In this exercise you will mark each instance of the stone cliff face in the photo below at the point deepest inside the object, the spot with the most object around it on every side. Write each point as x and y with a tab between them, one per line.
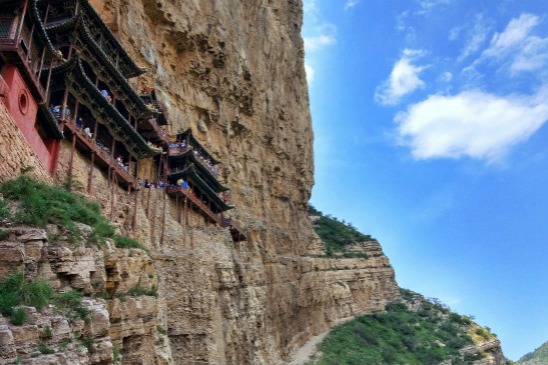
234	72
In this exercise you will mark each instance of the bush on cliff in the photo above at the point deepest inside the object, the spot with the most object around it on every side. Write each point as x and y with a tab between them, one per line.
40	204
335	234
14	291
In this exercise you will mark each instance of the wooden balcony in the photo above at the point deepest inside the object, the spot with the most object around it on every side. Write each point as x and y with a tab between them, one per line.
101	152
213	217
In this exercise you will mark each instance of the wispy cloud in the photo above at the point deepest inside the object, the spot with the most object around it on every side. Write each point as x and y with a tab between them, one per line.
516	48
427	6
473	124
350	4
403	80
475	36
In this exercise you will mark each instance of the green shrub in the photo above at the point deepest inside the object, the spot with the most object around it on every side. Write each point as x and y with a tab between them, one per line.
45	349
138	290
4	210
336	235
126	242
161	330
87	342
40	204
3	234
18	316
71	303
15	291
47	332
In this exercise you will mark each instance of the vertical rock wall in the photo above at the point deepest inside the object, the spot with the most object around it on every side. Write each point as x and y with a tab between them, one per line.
233	71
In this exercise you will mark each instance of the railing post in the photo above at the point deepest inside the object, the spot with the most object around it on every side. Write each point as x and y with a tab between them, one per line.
24	12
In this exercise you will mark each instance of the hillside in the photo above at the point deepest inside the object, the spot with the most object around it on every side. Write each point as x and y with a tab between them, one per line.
537	357
411	330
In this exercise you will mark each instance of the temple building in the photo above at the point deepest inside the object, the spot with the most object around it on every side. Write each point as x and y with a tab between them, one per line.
65	76
192	178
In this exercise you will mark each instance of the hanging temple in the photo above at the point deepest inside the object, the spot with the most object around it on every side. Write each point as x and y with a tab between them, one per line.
64	75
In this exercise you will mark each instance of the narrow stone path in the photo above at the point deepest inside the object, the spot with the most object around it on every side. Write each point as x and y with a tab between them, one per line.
305	352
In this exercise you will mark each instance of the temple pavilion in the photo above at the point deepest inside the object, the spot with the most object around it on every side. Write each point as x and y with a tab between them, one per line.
192	177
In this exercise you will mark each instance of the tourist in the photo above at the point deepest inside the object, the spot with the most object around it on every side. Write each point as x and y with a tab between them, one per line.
80	123
87	133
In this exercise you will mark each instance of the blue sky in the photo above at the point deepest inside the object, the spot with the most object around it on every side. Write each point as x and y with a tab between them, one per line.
429	119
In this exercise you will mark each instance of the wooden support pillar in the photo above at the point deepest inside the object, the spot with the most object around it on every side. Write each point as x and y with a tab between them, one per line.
112	195
30	41
64	108
95	127
49	81
72	148
178	206
185	211
134	220
23	14
90	178
41	63
163	217
110	168
47	13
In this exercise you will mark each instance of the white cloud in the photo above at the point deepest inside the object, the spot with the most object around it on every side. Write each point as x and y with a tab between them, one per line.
403	80
309	72
427	6
516	48
324	37
476	37
514	35
350	4
473	123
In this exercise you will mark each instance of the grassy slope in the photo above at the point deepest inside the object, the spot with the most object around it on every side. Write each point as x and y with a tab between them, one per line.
426	335
336	235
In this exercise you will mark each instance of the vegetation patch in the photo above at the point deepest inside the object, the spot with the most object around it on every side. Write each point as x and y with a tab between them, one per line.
71	304
138	290
337	235
14	291
40	204
399	336
126	242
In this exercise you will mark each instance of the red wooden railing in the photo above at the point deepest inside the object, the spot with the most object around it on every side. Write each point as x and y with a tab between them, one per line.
99	150
193	198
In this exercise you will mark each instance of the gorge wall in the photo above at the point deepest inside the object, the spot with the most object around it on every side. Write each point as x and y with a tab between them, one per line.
233	71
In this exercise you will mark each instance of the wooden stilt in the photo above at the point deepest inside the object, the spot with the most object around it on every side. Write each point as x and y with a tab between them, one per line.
134	221
112	195
90	178
178	207
163	217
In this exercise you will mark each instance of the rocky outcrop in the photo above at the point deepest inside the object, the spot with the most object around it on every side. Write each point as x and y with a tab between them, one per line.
102	329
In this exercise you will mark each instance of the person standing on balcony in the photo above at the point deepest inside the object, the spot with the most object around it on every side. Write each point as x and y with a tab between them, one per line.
80	123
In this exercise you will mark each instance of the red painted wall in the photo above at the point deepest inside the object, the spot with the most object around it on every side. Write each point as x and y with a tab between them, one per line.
23	109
